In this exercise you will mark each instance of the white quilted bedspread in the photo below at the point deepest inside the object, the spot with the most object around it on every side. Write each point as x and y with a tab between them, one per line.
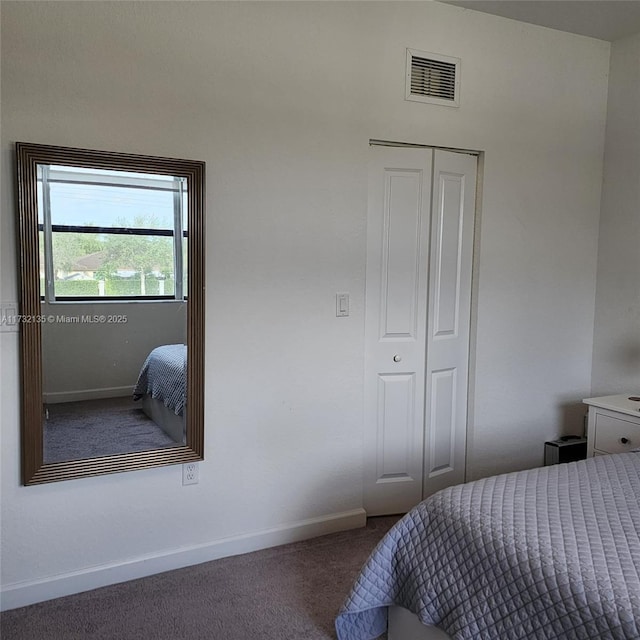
549	553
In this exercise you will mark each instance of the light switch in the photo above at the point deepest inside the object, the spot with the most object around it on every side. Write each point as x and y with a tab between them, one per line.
9	320
342	305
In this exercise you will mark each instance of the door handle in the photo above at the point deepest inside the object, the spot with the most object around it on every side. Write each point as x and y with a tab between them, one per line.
397	358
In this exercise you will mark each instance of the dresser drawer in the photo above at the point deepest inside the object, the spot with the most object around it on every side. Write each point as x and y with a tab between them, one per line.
616	435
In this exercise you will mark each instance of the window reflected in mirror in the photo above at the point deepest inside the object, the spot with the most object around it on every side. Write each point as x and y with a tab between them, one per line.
111	234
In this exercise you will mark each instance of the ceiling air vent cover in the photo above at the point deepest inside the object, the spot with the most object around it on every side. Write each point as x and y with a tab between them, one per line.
433	78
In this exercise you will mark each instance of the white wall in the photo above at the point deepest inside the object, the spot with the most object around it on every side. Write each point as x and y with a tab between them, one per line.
616	353
280	100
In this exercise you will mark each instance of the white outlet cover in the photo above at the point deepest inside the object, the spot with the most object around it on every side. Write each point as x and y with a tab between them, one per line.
190	473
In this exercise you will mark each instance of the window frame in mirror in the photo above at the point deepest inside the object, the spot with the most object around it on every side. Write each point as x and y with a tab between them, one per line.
34	469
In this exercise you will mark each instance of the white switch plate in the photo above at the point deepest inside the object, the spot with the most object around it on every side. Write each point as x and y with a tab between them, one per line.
342	304
9	316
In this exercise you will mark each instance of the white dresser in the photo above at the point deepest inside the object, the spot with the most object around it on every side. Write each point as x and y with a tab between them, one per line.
614	424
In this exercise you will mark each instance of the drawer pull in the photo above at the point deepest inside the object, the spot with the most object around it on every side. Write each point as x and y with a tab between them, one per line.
625	440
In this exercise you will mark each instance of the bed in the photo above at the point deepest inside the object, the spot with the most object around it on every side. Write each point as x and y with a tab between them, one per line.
549	553
162	387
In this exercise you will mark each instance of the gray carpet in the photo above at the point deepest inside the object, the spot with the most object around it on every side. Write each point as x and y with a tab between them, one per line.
292	592
93	428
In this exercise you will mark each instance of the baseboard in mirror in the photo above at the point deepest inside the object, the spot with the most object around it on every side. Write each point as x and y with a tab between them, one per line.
22	594
56	397
405	625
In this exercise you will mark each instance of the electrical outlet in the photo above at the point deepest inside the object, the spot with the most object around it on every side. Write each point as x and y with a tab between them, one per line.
190	473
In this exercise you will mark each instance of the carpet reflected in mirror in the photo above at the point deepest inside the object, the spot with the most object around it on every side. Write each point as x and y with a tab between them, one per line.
95	428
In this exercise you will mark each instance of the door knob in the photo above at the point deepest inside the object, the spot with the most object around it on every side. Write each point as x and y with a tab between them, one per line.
397	358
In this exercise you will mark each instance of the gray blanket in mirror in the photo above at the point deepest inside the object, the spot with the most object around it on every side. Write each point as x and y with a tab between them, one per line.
164	377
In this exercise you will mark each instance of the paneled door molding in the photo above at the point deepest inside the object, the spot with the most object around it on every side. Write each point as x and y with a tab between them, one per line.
418	296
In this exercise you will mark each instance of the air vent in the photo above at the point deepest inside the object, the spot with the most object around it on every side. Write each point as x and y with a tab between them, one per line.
433	78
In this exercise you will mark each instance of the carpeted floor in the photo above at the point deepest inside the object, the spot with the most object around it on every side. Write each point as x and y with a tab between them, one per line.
292	592
92	428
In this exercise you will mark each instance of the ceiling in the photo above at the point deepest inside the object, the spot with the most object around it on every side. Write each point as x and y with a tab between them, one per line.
603	19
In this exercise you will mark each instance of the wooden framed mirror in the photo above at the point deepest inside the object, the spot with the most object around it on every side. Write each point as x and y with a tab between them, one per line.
111	250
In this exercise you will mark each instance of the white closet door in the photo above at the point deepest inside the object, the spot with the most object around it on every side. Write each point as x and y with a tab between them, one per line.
396	302
417	292
448	320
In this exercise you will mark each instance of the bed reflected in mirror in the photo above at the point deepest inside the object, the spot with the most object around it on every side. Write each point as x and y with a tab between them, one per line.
112	297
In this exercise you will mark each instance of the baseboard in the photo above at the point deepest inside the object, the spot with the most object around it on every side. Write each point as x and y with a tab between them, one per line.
22	594
55	397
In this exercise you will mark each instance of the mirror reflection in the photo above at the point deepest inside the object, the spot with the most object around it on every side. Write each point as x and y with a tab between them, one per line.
112	267
113	283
